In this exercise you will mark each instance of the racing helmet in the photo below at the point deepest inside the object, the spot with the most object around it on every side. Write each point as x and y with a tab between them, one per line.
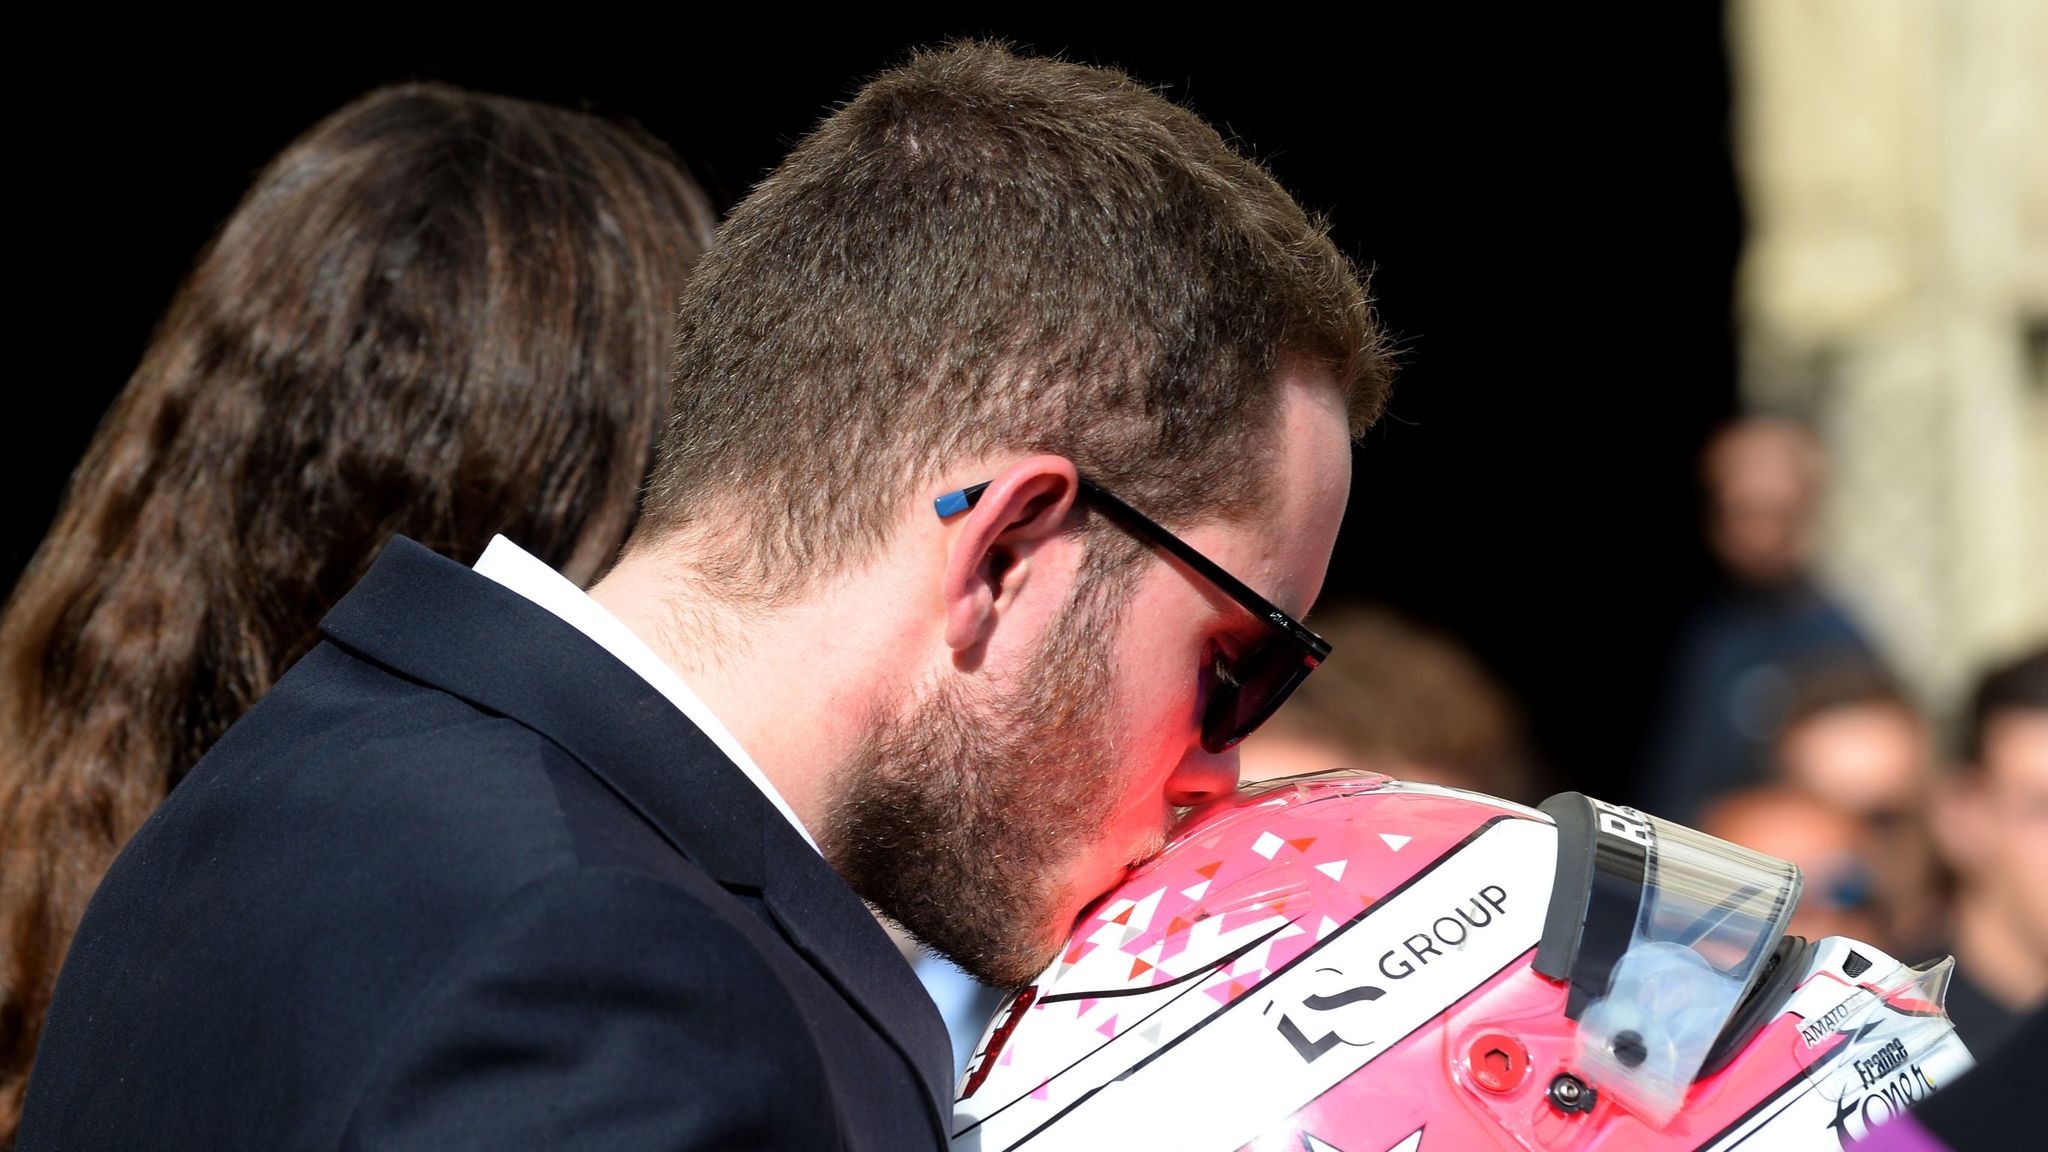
1346	963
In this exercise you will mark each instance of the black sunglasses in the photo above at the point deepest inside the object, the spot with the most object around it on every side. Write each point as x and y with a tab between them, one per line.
1248	688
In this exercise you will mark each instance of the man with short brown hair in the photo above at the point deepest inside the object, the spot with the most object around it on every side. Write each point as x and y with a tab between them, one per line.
1009	441
1991	818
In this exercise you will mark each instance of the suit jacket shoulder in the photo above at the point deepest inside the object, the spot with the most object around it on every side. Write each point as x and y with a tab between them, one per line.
462	871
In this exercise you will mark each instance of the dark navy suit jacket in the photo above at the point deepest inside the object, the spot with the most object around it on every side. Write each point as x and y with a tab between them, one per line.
463	880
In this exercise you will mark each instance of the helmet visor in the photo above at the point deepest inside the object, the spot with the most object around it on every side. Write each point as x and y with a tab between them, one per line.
1661	931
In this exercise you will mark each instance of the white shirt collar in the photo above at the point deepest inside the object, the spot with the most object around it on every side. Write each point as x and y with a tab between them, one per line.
515	568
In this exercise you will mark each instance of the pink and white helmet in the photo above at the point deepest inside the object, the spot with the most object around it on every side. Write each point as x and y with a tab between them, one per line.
1347	963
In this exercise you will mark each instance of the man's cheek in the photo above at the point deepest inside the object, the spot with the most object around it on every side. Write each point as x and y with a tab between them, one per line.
2027	868
2032	864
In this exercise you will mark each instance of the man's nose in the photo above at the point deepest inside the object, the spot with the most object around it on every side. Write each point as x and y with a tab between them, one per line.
1202	776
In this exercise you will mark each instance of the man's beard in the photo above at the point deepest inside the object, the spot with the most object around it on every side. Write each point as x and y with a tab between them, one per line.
961	820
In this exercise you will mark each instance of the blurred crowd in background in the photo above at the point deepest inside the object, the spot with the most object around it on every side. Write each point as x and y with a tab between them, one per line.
1866	693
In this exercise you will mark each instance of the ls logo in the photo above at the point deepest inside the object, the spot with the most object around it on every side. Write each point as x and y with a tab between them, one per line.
1327	1022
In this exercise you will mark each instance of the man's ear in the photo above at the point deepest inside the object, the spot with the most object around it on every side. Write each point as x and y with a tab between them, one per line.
994	542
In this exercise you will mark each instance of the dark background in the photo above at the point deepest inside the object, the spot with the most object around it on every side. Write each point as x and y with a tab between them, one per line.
1546	200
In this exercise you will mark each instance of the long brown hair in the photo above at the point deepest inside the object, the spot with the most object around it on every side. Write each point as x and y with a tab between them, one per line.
436	313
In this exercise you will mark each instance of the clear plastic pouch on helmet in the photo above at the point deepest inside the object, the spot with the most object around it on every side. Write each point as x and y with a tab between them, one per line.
1709	916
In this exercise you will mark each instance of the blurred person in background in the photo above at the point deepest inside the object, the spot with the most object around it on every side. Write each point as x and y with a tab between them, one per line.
1991	820
1855	741
437	313
1744	650
1826	843
1401	699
